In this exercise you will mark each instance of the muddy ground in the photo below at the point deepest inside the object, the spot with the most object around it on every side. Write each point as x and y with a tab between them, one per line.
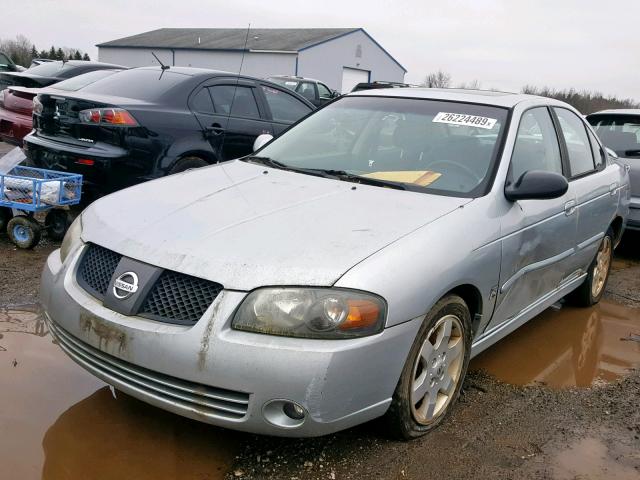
577	417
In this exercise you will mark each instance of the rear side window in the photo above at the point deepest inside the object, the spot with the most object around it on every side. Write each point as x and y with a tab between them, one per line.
142	84
201	102
234	100
323	91
536	146
284	107
307	90
575	137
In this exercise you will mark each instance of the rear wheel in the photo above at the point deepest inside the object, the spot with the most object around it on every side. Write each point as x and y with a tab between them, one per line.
432	376
592	289
57	221
24	232
187	163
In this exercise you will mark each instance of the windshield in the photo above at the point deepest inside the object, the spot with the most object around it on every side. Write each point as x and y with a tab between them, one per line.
50	69
618	132
439	147
76	83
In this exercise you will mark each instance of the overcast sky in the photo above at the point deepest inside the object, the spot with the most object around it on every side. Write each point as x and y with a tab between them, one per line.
586	44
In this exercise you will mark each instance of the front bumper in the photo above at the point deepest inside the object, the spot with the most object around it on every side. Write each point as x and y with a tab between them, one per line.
221	376
14	127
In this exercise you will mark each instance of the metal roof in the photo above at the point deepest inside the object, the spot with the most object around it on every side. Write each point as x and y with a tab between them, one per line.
273	39
617	111
486	97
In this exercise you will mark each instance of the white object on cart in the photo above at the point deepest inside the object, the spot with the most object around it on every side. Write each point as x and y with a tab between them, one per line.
23	189
12	159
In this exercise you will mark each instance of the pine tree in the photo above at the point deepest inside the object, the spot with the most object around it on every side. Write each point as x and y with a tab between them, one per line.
77	55
52	53
43	54
59	54
86	57
34	52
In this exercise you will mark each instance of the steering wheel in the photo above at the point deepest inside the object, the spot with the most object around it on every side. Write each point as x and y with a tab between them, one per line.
461	168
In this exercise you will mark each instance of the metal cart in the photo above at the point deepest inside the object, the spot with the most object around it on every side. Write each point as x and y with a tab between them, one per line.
27	193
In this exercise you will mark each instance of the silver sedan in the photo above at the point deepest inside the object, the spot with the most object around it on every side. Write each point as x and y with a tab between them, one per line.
347	270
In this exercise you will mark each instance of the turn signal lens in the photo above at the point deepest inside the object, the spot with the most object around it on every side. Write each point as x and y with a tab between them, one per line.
362	314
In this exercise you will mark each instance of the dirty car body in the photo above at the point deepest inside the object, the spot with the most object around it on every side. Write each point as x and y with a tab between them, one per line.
388	200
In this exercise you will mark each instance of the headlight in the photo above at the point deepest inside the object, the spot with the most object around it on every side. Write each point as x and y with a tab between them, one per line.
71	240
311	313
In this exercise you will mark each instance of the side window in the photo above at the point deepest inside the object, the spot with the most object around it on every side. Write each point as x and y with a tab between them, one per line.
536	146
598	153
575	136
242	99
307	90
323	91
201	102
284	107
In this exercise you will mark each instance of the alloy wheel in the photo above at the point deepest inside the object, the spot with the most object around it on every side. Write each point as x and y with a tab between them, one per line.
601	268
437	370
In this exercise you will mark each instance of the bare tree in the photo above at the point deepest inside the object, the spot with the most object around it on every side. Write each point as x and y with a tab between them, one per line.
438	79
585	101
472	85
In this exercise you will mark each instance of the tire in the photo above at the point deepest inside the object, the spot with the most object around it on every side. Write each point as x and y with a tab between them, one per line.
592	289
187	163
57	222
24	232
442	377
5	215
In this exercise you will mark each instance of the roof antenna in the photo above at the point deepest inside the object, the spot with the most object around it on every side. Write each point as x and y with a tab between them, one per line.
163	67
235	88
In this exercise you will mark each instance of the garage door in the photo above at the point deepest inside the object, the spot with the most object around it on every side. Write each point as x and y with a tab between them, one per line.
351	77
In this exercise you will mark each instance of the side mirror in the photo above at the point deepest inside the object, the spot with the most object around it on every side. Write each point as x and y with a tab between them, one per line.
261	141
335	94
537	185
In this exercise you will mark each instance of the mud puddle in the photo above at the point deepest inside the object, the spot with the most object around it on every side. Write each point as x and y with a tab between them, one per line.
592	458
59	422
570	347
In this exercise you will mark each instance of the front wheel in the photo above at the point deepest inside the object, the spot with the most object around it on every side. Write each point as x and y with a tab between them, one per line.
187	163
24	232
592	289
433	373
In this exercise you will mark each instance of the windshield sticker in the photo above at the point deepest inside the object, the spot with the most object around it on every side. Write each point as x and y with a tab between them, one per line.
467	120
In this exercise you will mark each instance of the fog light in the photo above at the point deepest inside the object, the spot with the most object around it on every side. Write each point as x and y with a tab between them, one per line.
293	411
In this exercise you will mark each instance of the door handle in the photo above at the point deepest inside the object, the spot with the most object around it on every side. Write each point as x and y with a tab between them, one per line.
613	188
570	207
215	129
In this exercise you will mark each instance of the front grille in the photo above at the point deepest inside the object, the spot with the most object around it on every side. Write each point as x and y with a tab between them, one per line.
96	269
174	298
179	297
190	397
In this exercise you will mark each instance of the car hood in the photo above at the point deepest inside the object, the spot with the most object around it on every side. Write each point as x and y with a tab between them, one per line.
245	225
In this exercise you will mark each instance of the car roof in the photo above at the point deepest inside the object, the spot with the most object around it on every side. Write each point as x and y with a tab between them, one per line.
486	97
617	111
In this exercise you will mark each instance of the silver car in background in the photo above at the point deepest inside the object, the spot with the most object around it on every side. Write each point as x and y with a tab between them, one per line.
349	269
619	130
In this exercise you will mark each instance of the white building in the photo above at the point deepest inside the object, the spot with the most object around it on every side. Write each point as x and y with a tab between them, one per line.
339	57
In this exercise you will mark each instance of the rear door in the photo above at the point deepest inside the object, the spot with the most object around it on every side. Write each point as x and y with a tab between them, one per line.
232	116
594	184
538	236
283	108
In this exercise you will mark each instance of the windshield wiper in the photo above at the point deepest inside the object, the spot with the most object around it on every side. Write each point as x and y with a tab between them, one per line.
352	177
328	173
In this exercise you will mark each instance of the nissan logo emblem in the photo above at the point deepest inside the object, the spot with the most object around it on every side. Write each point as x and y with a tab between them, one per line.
125	285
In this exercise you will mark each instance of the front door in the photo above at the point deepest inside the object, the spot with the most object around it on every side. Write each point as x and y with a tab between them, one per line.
538	236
